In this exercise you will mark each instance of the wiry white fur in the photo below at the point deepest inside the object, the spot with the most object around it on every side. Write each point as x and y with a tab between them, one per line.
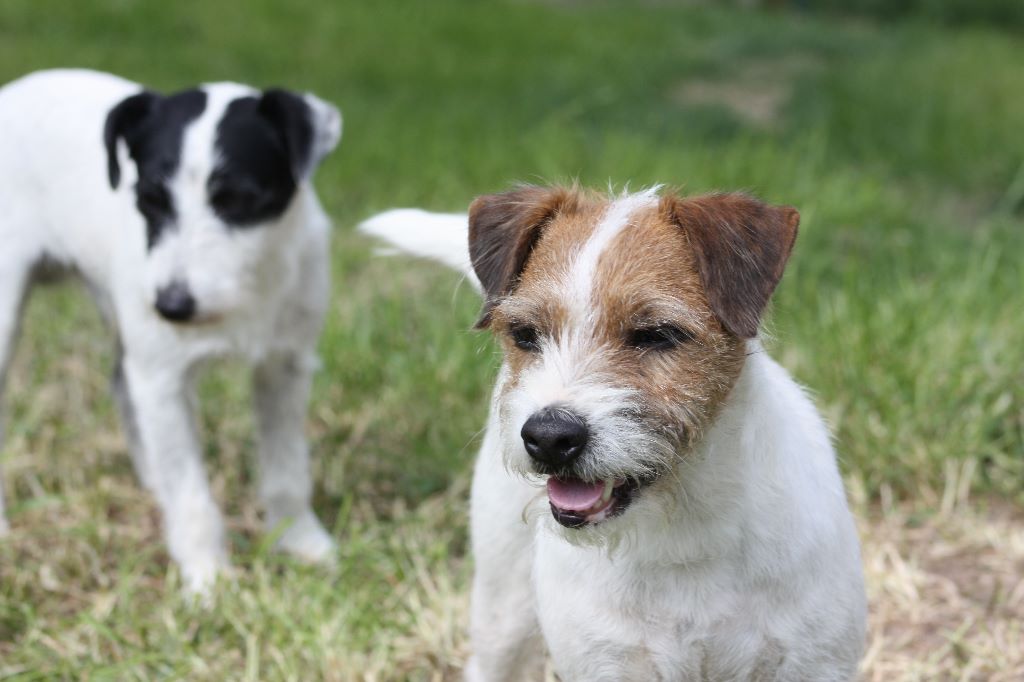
741	563
262	293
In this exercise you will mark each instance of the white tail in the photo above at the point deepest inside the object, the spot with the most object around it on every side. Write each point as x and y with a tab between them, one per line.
443	237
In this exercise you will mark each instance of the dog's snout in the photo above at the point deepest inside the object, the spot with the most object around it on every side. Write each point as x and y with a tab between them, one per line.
555	437
175	302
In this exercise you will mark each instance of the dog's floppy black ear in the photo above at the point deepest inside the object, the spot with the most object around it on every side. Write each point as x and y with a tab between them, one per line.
309	127
124	118
741	247
503	229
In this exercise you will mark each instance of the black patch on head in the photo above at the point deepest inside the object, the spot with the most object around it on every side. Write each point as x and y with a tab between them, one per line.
263	145
293	119
153	127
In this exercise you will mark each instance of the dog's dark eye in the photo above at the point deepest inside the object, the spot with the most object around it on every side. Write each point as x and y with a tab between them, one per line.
245	203
662	337
525	338
236	199
153	200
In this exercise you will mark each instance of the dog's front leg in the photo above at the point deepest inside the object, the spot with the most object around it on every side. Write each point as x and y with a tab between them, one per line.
281	393
506	639
193	525
14	277
504	631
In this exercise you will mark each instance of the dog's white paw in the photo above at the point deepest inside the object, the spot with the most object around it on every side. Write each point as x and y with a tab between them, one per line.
306	539
199	577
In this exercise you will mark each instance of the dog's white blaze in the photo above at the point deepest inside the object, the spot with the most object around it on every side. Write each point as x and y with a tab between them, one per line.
198	156
199	251
615	219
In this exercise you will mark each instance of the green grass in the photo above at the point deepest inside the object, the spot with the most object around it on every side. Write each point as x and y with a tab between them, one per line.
902	307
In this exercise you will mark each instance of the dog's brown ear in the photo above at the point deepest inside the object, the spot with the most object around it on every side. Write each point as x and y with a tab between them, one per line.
503	229
741	247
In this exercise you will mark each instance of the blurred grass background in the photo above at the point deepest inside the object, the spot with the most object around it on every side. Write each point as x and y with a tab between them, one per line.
895	128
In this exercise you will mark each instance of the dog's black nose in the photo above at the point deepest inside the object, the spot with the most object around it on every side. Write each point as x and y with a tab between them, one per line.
555	436
174	302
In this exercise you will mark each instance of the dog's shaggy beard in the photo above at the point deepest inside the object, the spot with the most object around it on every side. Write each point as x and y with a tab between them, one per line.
627	441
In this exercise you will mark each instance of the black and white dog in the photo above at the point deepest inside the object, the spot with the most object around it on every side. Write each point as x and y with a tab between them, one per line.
193	221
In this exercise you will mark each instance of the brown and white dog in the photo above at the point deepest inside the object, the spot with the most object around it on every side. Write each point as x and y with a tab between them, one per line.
655	498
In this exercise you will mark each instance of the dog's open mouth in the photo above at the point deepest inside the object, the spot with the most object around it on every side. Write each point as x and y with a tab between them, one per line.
576	503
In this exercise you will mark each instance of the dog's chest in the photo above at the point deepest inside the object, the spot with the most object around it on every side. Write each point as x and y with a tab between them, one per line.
610	620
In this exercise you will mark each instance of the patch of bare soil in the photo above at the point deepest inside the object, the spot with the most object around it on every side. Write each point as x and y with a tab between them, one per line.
946	595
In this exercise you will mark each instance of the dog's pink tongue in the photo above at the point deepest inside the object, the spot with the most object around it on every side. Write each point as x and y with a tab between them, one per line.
572	494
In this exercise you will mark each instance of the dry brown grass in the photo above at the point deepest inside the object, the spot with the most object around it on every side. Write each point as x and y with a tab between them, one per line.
91	584
946	594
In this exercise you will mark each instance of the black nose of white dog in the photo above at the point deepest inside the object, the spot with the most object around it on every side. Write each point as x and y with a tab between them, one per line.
555	437
174	302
